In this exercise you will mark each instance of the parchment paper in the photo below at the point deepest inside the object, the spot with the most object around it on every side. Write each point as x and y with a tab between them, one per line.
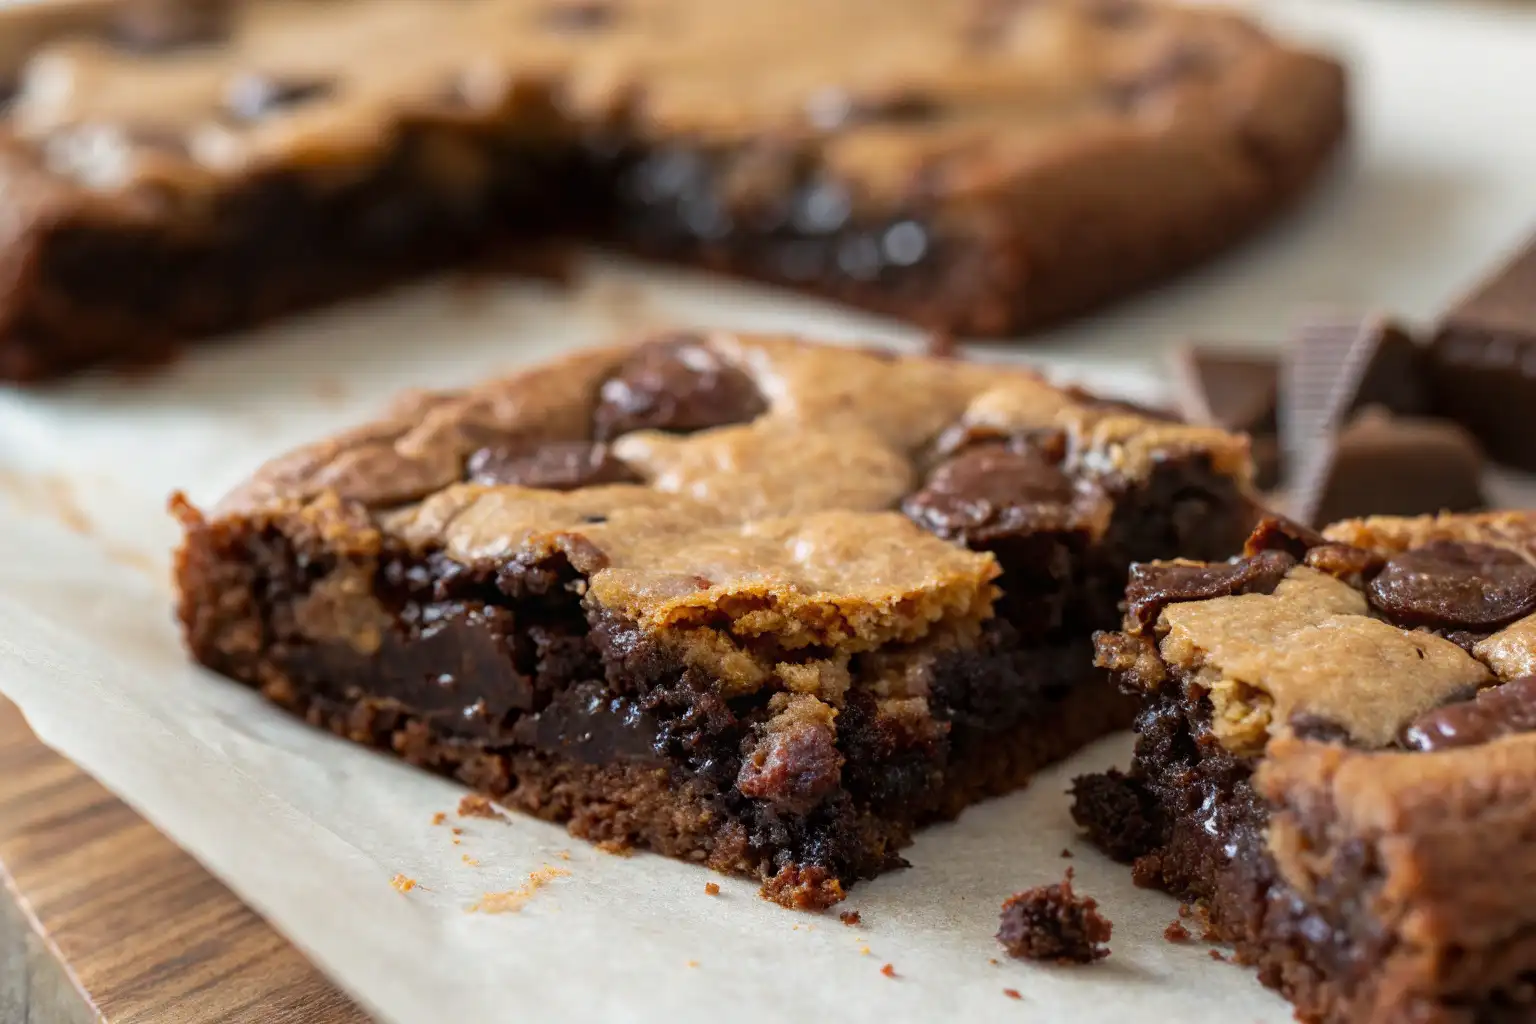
311	830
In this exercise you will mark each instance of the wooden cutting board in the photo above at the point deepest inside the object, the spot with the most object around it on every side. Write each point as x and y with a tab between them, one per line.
104	919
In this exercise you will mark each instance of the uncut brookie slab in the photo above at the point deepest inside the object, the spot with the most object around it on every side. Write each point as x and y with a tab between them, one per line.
748	601
175	168
1337	758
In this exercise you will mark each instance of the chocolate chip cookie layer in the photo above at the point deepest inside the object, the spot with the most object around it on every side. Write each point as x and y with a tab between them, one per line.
1337	758
747	601
180	167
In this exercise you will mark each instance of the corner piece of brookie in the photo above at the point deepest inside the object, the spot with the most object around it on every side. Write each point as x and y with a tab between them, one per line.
1337	759
748	601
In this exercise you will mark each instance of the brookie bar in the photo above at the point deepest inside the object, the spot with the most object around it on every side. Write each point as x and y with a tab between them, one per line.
174	169
747	601
1337	759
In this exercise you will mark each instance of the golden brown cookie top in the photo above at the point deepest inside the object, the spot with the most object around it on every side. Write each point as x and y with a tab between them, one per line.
891	95
1380	626
701	477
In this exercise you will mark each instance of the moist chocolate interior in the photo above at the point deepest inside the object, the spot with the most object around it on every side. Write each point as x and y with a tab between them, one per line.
486	672
285	239
1188	819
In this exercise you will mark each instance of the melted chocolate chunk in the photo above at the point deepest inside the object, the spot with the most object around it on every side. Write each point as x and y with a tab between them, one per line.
677	385
579	15
1275	533
988	490
554	466
590	724
1455	585
1153	587
156	26
1494	712
252	96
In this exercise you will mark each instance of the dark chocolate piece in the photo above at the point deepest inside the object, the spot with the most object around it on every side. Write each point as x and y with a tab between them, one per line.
1237	391
1455	585
1154	587
1497	711
1386	465
1054	923
1335	367
1484	362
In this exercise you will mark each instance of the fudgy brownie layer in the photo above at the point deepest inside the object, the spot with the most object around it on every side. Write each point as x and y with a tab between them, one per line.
1335	743
186	168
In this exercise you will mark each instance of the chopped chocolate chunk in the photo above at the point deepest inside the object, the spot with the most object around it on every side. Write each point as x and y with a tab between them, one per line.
1155	586
1335	367
1484	361
1387	465
1455	585
555	466
680	385
1051	922
252	96
1497	711
1237	391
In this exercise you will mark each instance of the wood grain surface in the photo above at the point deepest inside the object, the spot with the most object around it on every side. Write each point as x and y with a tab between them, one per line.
104	919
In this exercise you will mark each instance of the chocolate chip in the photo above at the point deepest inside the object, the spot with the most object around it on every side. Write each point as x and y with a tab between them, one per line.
157	26
1467	639
554	466
1345	562
1455	585
1497	711
251	96
989	489
1154	586
579	15
679	385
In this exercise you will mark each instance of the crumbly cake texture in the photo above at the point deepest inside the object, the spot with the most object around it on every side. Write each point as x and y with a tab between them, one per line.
744	600
1337	759
1054	923
984	166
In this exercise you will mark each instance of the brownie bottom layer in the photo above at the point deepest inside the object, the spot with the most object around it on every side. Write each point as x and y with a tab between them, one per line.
805	861
1187	817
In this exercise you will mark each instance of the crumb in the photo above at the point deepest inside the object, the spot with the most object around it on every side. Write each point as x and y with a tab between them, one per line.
476	806
513	900
864	950
1184	910
808	888
400	883
1012	993
693	963
1066	853
888	970
794	928
992	960
711	889
457	831
564	855
457	842
439	817
1216	954
470	861
1176	932
850	918
1051	922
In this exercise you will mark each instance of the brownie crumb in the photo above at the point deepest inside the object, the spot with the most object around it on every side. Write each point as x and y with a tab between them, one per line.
476	806
1066	853
1051	922
888	970
711	889
1176	932
439	818
400	883
513	900
1216	954
850	918
992	960
1012	993
798	887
